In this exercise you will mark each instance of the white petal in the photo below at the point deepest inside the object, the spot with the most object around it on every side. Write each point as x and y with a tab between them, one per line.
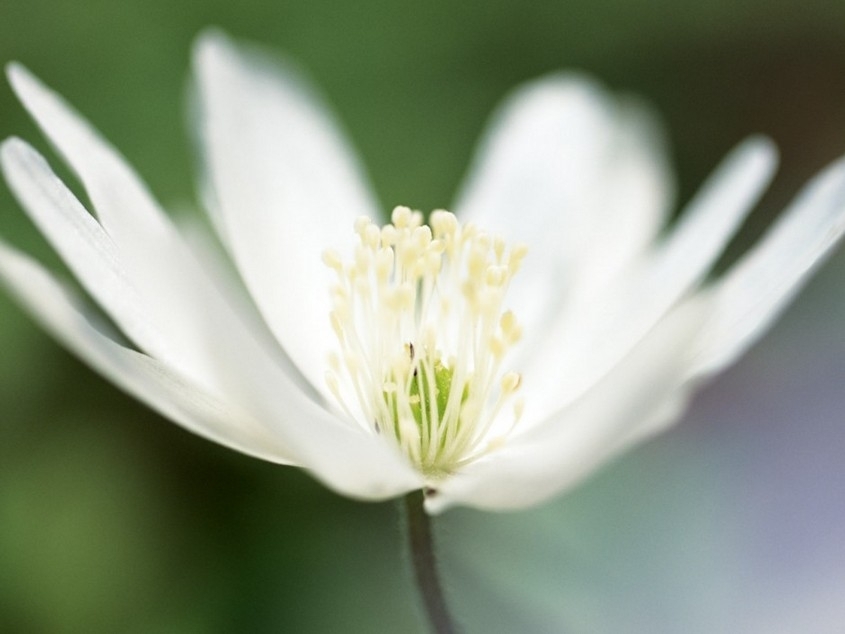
759	287
286	187
121	201
124	206
151	253
580	349
559	452
145	378
205	245
81	241
204	338
633	191
713	216
345	458
565	168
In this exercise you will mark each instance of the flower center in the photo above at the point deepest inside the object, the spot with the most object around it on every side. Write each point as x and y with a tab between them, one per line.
418	315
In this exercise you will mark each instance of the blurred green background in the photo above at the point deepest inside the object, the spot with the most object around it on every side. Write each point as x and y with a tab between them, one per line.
114	520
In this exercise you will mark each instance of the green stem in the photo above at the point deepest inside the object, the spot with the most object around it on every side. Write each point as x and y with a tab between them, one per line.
425	564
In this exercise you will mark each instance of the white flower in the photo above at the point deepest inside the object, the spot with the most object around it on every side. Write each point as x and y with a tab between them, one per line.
445	367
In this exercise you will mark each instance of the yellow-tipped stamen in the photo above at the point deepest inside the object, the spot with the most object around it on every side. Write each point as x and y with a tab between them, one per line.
418	313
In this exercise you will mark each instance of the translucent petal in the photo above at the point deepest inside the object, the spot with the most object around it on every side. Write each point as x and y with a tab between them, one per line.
80	240
286	188
755	291
577	175
147	379
204	337
587	343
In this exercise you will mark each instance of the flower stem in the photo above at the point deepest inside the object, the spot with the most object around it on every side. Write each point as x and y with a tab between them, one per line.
425	564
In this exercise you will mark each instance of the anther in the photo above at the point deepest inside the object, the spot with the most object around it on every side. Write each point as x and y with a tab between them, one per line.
418	315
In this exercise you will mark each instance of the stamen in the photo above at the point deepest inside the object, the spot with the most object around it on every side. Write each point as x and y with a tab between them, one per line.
418	314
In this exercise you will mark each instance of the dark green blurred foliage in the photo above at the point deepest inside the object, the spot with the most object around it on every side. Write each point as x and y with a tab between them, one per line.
112	519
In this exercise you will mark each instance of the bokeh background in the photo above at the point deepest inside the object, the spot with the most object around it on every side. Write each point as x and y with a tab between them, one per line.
114	520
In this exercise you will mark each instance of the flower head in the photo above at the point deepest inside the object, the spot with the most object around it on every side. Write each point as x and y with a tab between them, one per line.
495	356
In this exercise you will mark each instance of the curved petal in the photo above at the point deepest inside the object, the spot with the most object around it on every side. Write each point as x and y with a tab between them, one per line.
556	454
345	458
82	243
755	291
568	170
286	187
633	191
145	378
582	347
712	217
204	337
125	208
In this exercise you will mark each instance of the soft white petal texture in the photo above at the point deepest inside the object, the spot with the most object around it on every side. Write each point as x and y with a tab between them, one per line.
568	169
124	207
214	260
537	463
286	188
586	343
80	240
758	288
233	359
710	220
633	189
147	379
203	338
344	458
